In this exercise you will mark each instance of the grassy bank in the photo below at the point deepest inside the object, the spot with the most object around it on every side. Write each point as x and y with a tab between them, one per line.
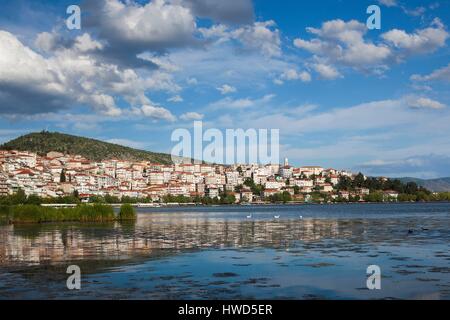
81	213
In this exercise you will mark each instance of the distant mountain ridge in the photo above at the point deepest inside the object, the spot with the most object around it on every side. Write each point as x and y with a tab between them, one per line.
96	150
436	185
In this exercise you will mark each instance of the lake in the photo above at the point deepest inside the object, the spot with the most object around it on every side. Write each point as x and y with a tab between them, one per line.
236	252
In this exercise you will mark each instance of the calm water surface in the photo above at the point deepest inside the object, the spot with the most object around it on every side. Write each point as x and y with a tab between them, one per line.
220	253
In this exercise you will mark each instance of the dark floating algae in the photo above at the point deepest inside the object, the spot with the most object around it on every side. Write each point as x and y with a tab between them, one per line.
225	275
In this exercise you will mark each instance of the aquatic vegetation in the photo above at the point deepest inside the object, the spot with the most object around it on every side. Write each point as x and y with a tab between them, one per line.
81	213
127	212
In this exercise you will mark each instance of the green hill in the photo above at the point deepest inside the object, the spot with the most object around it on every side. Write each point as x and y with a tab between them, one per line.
436	185
44	142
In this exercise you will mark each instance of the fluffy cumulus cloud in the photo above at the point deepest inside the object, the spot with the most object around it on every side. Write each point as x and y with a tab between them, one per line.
262	37
343	43
339	44
293	74
129	49
326	71
33	84
189	116
421	41
29	83
155	112
130	29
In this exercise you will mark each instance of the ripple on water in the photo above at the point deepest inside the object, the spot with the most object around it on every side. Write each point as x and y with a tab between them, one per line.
204	253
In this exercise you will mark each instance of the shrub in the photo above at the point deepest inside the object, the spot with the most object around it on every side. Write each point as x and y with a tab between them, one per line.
4	210
127	212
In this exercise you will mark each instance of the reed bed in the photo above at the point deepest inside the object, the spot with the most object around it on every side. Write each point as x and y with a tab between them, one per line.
81	213
127	212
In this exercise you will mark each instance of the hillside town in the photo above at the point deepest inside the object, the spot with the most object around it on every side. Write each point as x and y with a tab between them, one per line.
57	174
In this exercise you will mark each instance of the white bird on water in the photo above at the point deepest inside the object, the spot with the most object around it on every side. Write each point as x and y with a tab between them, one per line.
301	217
277	217
249	216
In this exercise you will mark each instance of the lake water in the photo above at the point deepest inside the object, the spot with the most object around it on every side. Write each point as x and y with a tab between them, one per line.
221	253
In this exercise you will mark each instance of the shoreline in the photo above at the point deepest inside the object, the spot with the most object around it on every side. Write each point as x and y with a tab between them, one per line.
115	215
181	205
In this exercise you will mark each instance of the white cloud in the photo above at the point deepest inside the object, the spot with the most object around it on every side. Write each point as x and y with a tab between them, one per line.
47	41
278	82
192	81
156	25
176	98
442	74
162	62
188	116
231	103
242	103
342	43
416	12
339	44
363	132
85	43
422	102
326	71
226	89
261	37
421	41
104	104
28	81
388	3
157	113
70	76
221	63
366	116
430	165
292	74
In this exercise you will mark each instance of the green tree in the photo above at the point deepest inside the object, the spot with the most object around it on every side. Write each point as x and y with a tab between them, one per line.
62	178
286	197
34	199
359	180
19	197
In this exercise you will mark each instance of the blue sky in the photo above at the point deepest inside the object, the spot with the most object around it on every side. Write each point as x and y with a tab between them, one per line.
342	96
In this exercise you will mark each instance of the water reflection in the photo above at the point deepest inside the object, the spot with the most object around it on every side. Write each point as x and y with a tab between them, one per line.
208	253
56	243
